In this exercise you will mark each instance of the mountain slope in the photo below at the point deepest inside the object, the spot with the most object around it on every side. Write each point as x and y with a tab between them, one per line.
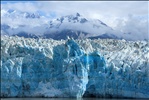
78	26
75	26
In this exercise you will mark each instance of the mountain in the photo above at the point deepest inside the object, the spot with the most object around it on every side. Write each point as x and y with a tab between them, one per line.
19	14
75	25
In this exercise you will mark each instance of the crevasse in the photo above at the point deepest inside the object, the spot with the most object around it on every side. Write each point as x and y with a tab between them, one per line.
73	68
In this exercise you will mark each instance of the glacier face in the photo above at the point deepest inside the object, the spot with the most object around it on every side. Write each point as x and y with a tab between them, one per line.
74	68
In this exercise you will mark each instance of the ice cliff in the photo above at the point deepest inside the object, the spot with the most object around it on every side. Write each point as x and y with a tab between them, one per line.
74	68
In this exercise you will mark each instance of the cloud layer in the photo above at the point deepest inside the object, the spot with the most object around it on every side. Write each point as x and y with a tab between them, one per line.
124	16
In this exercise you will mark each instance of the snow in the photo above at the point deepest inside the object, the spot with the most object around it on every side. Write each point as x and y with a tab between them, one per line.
74	22
74	68
39	25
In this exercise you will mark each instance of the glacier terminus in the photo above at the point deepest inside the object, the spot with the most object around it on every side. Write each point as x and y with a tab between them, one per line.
74	68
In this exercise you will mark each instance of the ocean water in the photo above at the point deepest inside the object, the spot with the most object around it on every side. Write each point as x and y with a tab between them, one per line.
64	99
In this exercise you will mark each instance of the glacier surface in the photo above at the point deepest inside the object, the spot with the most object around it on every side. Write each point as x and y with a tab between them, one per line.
74	68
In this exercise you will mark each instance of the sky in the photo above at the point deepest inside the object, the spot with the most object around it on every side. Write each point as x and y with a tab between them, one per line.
119	15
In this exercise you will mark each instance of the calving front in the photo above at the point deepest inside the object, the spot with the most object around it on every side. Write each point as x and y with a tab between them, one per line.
74	68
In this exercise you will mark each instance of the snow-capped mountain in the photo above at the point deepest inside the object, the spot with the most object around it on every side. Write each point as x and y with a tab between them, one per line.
75	25
15	22
18	14
34	25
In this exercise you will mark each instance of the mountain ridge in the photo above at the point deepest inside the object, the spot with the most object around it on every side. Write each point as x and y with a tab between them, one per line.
74	25
77	26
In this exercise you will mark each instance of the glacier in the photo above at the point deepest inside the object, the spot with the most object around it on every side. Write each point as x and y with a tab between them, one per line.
104	68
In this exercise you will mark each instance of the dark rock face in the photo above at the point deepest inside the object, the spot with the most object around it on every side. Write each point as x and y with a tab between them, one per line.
67	33
83	20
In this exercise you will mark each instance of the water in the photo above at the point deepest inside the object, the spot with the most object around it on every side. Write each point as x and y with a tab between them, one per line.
62	99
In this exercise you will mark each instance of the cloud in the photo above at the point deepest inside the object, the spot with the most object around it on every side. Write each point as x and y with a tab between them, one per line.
133	28
116	14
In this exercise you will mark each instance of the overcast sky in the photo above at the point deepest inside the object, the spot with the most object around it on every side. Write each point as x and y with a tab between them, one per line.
117	14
